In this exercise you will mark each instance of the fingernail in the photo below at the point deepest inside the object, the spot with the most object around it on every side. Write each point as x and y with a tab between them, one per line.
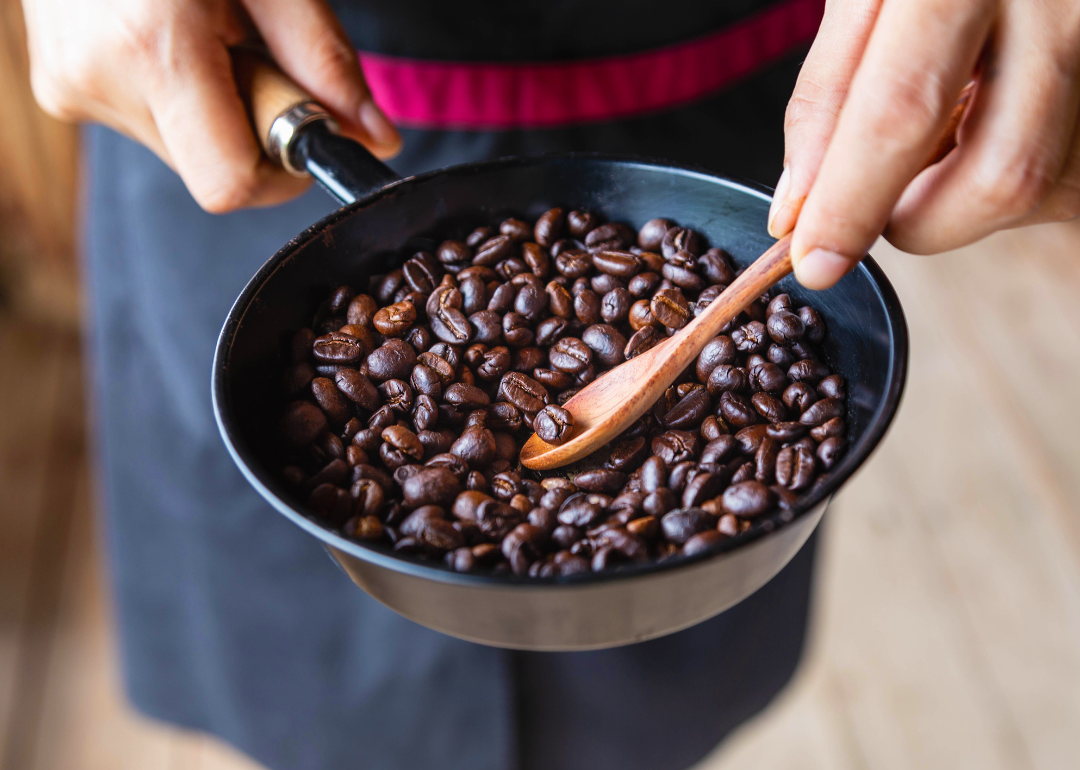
820	269
779	210
380	129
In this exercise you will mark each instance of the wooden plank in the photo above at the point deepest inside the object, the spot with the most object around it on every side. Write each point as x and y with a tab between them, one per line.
29	381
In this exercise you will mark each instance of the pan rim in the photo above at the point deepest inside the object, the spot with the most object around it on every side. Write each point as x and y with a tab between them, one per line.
271	490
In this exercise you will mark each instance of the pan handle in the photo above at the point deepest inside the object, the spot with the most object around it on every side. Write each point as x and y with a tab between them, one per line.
300	135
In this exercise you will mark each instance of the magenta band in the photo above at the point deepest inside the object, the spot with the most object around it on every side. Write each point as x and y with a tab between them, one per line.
482	96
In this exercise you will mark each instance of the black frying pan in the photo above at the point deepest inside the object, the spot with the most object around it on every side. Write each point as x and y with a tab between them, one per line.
376	229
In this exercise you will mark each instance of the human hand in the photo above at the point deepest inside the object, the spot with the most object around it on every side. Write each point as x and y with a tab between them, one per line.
160	71
872	100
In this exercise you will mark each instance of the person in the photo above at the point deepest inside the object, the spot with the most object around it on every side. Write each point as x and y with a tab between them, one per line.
234	622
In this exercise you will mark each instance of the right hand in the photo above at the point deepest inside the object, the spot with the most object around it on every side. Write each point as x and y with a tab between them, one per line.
160	71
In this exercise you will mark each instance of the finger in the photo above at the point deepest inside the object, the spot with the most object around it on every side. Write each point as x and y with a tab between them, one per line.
815	103
205	130
307	41
1015	144
920	55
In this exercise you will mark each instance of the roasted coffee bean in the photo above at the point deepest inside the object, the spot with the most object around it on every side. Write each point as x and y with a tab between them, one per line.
549	226
767	376
330	503
397	395
554	424
780	356
486	327
719	350
670	308
784	326
728	378
798	396
476	446
681	239
785	432
331	400
832	387
813	324
426	380
560	303
516	229
388	286
516	330
613	235
453	252
747	499
627	454
503	416
822	411
715	266
615	306
478	236
719	450
606	343
737	410
524	392
494	364
494	250
570	355
579	223
393	360
404	441
765	460
702	487
682	524
641	316
431	486
676	446
361	310
808	371
579	512
338	348
642	340
829	429
643	284
751	337
302	423
651	235
770	407
573	264
689	411
830	451
502	298
686	279
587	307
552	379
621	263
466	396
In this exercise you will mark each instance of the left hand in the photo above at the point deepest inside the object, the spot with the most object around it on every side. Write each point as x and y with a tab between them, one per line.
870	104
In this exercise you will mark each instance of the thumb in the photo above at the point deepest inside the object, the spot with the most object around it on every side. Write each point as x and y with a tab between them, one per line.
307	41
816	101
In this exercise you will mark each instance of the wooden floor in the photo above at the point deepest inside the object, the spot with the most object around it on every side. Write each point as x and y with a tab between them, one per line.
947	623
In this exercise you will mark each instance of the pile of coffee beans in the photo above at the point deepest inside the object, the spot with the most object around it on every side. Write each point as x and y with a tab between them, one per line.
409	400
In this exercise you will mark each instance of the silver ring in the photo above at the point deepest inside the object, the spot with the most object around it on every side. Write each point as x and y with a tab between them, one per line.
286	127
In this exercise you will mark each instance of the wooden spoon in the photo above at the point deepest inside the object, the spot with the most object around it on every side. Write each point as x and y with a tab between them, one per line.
611	403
